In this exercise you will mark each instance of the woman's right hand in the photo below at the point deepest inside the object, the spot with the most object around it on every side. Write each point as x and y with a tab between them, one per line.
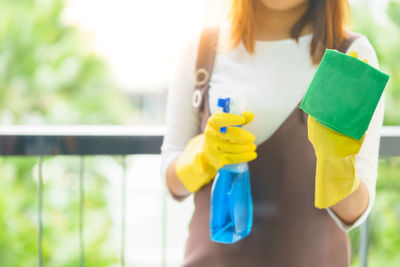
207	152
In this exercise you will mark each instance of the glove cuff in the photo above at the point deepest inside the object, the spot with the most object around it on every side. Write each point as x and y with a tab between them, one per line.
194	175
335	179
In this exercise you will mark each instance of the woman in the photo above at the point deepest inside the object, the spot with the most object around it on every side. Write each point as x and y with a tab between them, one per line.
274	48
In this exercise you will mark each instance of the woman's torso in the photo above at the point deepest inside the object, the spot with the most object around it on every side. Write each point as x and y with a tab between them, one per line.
287	229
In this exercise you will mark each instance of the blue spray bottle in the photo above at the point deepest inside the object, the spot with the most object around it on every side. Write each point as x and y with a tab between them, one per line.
231	211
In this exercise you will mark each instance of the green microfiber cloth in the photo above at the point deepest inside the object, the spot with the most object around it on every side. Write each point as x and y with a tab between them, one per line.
344	93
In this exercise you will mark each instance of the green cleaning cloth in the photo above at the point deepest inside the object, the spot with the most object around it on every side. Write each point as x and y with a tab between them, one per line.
344	93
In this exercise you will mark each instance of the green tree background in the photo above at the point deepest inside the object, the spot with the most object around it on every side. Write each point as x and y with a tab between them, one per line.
48	75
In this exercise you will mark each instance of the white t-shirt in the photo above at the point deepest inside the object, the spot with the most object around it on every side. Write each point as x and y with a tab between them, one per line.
269	83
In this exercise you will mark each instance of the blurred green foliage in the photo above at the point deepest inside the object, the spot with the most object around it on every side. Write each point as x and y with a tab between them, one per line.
19	206
49	75
384	34
384	219
47	72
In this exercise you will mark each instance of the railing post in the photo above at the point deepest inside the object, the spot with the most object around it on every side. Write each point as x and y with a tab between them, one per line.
40	203
364	243
81	213
164	231
123	210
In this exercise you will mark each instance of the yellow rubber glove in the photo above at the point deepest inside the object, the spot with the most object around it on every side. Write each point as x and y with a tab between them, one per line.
207	152
335	176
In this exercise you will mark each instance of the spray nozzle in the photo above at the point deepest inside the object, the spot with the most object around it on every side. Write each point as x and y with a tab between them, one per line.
224	103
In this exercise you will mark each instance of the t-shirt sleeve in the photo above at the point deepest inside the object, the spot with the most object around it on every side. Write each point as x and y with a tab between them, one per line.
366	161
182	120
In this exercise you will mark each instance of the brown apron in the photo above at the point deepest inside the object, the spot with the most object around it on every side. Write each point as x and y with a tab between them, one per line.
287	229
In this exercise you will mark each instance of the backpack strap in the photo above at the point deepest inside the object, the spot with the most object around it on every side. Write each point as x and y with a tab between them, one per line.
351	37
204	67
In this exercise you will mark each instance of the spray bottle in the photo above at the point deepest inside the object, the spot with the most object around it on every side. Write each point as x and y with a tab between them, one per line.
231	211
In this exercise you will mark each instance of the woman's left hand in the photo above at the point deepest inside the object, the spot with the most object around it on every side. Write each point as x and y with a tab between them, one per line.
335	173
335	176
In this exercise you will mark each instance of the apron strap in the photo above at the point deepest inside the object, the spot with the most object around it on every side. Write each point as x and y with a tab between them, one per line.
348	41
204	67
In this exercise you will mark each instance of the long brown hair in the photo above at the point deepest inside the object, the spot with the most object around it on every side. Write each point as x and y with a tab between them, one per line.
328	19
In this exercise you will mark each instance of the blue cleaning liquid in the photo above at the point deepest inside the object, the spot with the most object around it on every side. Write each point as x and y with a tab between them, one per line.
231	211
231	204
